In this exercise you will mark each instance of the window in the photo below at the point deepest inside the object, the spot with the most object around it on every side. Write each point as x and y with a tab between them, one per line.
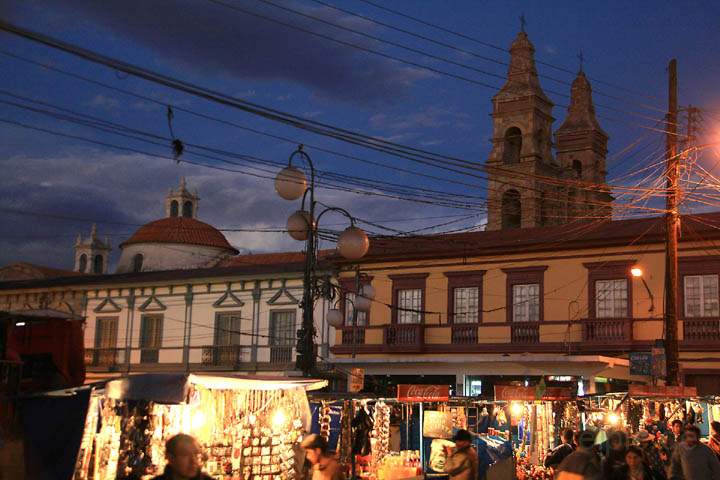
187	209
82	264
701	296
137	263
282	336
511	209
512	146
465	304
150	337
174	208
98	264
611	298
227	329
526	302
106	329
577	167
409	306
362	317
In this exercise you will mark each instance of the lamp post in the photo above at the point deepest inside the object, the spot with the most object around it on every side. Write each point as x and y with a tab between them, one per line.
352	244
638	273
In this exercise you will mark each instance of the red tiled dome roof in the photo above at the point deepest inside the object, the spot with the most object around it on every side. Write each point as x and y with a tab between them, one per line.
180	230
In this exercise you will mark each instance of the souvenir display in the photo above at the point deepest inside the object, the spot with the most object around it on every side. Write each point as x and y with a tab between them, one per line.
381	431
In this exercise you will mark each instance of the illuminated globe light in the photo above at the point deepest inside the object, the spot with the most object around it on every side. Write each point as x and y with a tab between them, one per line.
299	225
636	272
335	317
362	304
353	243
368	291
290	183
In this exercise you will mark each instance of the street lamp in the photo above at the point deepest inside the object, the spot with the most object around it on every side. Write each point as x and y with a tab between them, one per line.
353	243
637	272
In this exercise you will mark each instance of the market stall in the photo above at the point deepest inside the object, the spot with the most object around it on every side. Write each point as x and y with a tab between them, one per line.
248	427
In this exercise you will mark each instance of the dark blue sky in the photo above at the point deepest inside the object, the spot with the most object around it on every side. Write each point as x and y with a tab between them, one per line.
627	44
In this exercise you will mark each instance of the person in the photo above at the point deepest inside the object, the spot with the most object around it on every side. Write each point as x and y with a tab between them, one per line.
462	460
675	435
559	453
651	452
666	460
692	460
634	467
183	456
615	458
583	463
714	442
324	465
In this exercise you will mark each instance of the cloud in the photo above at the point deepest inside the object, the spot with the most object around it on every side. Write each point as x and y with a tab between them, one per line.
430	117
103	102
201	37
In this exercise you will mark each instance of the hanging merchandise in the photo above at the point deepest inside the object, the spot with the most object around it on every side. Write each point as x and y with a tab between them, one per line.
381	432
362	426
325	420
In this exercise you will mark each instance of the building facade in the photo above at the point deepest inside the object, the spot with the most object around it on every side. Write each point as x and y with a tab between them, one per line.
495	307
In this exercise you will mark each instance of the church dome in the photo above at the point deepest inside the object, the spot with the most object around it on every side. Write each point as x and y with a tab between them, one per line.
180	230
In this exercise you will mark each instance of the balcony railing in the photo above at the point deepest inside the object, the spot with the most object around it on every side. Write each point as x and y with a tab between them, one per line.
702	330
607	330
465	334
404	338
281	354
225	355
525	332
102	357
353	335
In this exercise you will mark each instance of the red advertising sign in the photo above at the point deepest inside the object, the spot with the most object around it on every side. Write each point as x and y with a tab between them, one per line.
510	393
423	393
665	391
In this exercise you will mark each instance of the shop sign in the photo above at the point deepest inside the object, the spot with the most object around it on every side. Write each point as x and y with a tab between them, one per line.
659	363
509	393
640	363
423	393
437	424
664	391
356	380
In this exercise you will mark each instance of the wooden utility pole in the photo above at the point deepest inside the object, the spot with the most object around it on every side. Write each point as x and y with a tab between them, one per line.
672	227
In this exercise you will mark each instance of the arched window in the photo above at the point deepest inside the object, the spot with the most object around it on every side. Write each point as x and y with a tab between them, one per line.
137	263
188	209
174	208
577	166
83	263
511	209
512	146
98	264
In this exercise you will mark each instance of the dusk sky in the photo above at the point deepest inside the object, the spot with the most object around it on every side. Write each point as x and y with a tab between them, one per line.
626	46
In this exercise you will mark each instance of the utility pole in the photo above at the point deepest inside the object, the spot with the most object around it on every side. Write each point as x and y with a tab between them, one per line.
672	227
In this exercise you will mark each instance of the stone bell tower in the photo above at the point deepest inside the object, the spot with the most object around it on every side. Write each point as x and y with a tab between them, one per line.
182	202
522	147
92	254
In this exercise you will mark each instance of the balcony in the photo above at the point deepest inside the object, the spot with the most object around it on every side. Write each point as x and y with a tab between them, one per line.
102	357
404	338
607	330
353	335
702	330
224	356
281	355
525	333
465	334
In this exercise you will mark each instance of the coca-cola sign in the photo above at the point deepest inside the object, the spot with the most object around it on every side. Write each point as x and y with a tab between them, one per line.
511	392
423	393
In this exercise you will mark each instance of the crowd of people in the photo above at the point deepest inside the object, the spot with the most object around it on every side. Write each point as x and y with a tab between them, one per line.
680	455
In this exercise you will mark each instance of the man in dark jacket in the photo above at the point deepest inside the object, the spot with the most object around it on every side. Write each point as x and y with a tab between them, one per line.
183	459
692	460
583	463
559	453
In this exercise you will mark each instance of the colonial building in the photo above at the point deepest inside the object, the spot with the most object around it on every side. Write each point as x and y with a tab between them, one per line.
182	299
478	309
527	185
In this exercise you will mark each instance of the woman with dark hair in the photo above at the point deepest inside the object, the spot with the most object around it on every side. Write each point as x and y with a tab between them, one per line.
635	467
714	442
615	459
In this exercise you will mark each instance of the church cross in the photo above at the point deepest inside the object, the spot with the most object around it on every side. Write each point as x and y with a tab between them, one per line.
523	23
581	57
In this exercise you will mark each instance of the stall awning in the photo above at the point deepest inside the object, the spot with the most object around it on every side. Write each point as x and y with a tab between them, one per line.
173	387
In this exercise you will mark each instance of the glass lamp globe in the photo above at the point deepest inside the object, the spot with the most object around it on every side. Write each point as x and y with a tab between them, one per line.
299	225
367	291
290	183
362	304
353	243
335	317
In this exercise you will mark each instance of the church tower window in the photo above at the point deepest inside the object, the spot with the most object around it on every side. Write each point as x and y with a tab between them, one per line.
83	263
512	146
98	264
187	210
174	209
511	209
137	262
577	166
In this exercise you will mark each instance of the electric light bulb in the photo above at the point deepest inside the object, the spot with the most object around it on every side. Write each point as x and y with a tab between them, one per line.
516	409
613	418
279	418
198	420
636	272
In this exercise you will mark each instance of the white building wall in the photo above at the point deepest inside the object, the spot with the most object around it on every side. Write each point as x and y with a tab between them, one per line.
169	256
